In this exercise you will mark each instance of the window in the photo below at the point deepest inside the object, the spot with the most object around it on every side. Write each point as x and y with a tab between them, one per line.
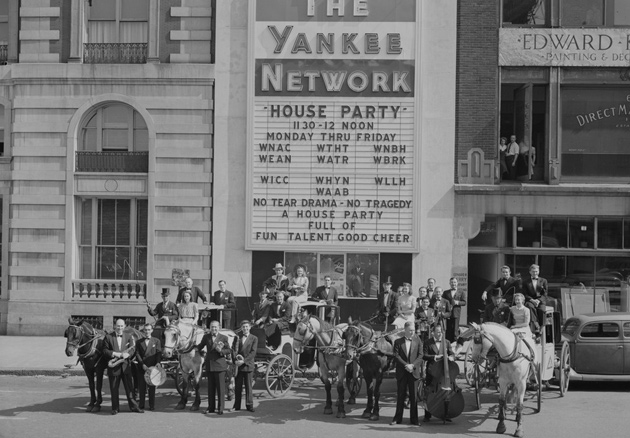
2	130
118	21
601	330
595	128
113	239
4	31
525	12
588	13
115	128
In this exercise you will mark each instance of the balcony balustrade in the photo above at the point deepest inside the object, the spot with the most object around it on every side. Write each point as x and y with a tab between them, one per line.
88	161
109	290
115	53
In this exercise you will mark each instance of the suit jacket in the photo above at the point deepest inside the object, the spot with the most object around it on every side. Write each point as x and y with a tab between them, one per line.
227	301
432	349
110	345
508	287
246	347
531	293
452	296
148	355
215	359
261	310
414	357
424	320
170	310
332	295
195	293
391	306
499	314
442	307
281	284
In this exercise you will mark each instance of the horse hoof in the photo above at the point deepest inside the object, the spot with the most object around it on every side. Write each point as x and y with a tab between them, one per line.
501	428
96	409
194	408
374	417
328	411
89	408
366	414
352	401
341	414
519	433
180	406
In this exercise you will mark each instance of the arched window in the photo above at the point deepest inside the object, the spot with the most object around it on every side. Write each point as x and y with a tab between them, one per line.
115	127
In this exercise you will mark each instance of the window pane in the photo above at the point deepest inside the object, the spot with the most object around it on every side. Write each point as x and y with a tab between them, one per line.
135	10
141	223
4	32
138	121
140	140
580	270
609	233
595	132
141	264
113	263
115	139
4	8
509	232
601	330
89	140
85	268
611	274
103	10
626	233
116	114
581	233
106	222
86	222
528	232
554	233
529	12
123	221
134	32
487	234
582	13
622	13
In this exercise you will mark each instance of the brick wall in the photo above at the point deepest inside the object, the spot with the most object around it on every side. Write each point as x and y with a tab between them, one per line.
477	78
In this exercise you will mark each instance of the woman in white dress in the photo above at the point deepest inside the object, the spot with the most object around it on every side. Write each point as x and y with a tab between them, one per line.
188	311
298	286
520	316
406	307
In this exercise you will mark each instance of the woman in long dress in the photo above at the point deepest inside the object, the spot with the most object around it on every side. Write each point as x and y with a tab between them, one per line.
188	311
520	316
406	307
298	286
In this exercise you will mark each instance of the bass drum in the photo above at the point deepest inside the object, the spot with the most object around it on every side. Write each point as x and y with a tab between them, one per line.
155	376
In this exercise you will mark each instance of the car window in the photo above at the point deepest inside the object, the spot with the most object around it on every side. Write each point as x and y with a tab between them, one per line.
626	329
571	326
600	330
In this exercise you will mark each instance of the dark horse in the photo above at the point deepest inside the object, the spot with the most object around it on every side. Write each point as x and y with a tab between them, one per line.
88	343
375	355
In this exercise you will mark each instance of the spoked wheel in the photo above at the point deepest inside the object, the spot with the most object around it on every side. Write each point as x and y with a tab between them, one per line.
279	375
475	372
538	387
477	386
565	368
179	382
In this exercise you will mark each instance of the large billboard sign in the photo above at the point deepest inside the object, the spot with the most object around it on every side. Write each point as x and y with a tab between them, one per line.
332	125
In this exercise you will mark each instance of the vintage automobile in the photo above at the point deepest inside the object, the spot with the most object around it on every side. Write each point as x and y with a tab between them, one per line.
599	346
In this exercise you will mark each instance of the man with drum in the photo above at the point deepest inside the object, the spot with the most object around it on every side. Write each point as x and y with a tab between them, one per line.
148	354
245	351
118	348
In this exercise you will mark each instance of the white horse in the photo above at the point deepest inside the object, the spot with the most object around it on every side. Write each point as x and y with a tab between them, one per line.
516	357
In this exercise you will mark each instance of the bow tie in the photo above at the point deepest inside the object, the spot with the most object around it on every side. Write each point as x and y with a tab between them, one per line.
408	339
119	336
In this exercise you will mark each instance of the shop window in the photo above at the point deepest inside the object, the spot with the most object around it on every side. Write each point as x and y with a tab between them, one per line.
592	13
113	239
595	123
528	232
525	12
626	233
581	233
523	125
555	234
609	233
488	233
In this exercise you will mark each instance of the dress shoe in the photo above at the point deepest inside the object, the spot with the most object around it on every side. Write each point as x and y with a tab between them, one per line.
415	423
250	409
114	412
209	411
426	419
236	409
138	411
141	407
219	412
394	422
151	408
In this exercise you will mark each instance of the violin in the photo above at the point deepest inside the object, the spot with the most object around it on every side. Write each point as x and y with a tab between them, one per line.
444	398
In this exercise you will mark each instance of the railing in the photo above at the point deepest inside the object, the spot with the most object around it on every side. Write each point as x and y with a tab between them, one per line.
112	161
109	290
3	54
115	53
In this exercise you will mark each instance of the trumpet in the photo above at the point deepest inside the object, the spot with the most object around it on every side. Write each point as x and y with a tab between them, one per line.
115	361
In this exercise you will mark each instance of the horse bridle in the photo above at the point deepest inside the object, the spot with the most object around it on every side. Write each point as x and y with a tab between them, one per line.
363	344
514	355
93	338
187	339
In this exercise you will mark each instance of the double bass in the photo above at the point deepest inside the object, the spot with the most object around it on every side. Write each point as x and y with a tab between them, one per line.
444	398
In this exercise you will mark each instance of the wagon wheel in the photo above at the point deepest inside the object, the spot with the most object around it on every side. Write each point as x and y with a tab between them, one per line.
354	378
477	386
538	387
475	372
179	382
565	368
279	375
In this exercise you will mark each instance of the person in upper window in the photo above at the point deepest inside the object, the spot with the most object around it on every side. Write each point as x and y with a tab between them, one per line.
511	156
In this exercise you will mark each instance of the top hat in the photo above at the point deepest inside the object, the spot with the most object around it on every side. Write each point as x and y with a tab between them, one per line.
498	293
278	266
389	281
166	291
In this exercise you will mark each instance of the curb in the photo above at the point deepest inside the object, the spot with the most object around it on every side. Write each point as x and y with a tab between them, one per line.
59	373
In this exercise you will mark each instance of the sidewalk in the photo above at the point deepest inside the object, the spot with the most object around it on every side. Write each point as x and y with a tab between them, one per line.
36	355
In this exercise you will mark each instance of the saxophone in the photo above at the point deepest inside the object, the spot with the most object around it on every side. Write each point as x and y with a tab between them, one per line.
115	361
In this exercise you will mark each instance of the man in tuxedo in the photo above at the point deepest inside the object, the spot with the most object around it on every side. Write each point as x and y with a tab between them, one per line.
245	351
281	312
430	287
262	309
387	303
408	358
536	297
441	305
166	311
281	280
497	311
148	354
433	352
217	350
508	285
328	294
457	299
120	346
195	293
225	298
425	318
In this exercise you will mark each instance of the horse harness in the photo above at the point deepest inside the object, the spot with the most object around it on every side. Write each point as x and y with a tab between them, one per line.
516	352
188	340
93	338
